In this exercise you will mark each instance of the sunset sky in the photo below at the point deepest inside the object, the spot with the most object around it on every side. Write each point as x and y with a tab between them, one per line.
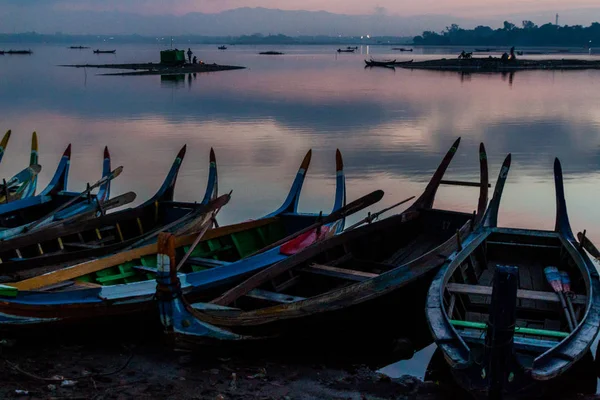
464	8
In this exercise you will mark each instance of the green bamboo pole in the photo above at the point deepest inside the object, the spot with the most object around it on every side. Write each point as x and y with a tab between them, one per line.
518	329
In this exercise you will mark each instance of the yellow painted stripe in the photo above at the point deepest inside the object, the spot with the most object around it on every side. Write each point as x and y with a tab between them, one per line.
60	244
139	222
119	232
98	234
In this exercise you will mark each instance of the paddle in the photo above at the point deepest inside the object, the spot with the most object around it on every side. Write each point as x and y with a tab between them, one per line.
343	212
372	217
553	278
213	218
566	285
116	172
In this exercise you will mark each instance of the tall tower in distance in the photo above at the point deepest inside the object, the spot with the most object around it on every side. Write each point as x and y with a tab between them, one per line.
556	19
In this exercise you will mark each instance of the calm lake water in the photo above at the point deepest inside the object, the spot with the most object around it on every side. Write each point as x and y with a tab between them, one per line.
392	127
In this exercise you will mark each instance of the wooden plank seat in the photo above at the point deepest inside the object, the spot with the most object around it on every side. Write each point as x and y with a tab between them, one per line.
551	297
273	296
342	273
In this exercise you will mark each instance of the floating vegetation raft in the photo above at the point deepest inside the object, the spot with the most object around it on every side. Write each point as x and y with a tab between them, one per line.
497	65
158	69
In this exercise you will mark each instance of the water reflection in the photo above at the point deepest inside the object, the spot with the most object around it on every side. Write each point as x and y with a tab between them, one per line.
391	127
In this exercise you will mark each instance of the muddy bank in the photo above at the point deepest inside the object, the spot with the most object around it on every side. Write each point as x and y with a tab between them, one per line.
141	372
157	68
497	65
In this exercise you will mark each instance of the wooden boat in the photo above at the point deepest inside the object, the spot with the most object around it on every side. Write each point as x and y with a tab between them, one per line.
402	49
17	52
79	47
124	283
64	244
512	337
23	184
105	51
352	48
222	47
340	289
383	63
271	53
345	50
57	206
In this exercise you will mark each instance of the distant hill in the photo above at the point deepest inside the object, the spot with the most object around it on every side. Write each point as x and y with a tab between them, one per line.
237	22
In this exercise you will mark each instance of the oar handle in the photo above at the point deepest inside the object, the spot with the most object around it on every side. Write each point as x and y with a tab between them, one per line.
116	172
372	217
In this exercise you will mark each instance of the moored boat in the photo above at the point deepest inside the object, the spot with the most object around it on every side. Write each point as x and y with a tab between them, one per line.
222	47
345	50
381	63
105	51
64	244
124	283
17	52
338	290
515	309
23	184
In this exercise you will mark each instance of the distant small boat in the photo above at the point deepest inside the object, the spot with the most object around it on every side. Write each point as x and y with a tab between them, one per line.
271	53
345	51
352	48
105	51
401	49
382	63
17	52
79	47
222	47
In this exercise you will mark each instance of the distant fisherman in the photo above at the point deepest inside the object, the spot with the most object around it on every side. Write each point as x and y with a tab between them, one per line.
189	54
195	60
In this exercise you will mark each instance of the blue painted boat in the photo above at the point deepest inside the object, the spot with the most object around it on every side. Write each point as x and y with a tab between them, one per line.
67	243
23	184
17	214
39	210
506	327
367	282
124	283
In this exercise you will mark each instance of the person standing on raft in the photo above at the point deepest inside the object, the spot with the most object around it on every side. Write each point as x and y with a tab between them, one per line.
189	54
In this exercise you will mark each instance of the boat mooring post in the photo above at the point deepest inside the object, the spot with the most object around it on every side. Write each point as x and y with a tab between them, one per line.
501	330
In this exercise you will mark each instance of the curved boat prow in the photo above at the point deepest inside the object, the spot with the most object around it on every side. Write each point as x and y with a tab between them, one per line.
484	181
104	190
212	188
33	160
58	183
290	205
167	190
490	218
428	196
562	224
4	143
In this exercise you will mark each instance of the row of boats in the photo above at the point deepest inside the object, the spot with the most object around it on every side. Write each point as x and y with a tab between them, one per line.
488	296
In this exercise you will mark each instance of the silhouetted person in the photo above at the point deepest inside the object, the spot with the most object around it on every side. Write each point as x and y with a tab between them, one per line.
512	54
189	54
195	60
504	57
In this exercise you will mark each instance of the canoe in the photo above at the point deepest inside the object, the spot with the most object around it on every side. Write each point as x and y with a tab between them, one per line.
23	184
384	63
222	47
59	207
503	329
345	50
105	51
64	244
124	283
17	52
402	49
339	290
78	47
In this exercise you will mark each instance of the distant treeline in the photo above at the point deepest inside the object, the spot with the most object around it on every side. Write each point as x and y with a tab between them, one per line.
529	34
256	39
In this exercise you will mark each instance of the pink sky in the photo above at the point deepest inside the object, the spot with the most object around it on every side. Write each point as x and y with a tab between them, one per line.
464	8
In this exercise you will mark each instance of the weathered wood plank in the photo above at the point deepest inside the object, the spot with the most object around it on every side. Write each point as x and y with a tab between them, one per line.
521	293
342	273
273	296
